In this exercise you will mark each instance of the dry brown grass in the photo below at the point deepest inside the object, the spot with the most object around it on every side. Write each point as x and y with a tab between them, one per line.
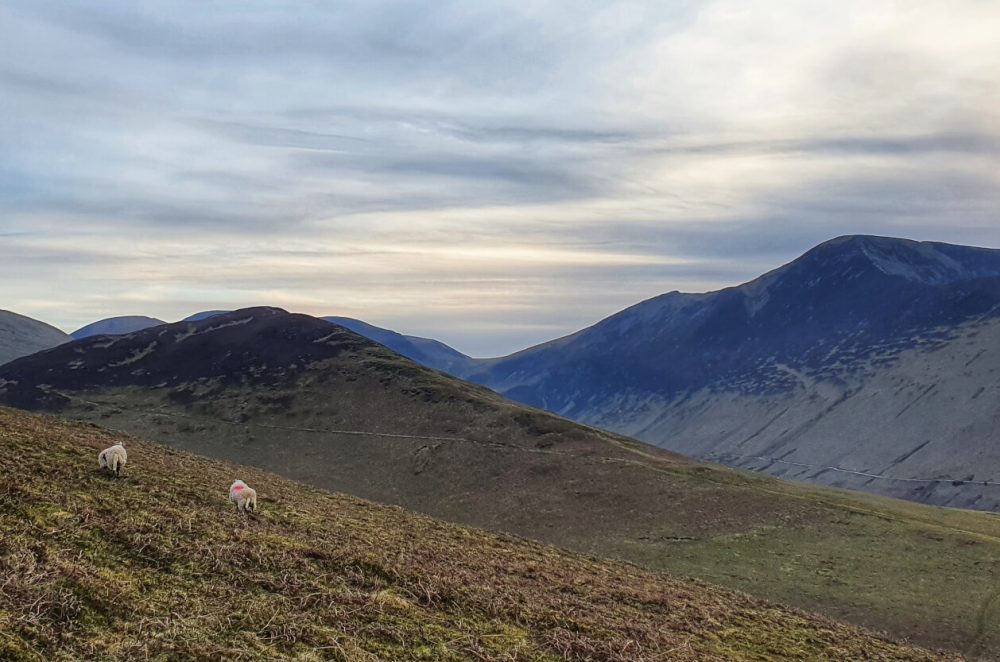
159	565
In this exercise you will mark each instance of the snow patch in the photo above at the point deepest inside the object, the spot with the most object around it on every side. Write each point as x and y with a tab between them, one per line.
322	340
136	355
245	320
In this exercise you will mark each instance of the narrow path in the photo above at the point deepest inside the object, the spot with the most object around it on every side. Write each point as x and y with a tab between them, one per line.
653	463
337	431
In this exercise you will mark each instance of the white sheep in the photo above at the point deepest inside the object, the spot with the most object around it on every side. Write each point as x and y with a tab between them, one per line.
113	458
244	496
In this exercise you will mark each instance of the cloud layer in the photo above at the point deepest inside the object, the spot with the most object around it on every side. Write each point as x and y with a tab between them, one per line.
491	175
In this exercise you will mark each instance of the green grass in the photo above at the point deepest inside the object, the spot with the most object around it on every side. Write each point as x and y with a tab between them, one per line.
159	565
887	569
923	574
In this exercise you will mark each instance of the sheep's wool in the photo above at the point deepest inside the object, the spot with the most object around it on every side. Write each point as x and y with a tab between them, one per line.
244	496
113	458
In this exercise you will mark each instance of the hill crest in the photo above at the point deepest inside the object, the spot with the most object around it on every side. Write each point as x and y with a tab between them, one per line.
115	326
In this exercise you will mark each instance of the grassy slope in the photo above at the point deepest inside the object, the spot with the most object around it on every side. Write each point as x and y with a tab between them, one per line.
159	565
923	573
928	574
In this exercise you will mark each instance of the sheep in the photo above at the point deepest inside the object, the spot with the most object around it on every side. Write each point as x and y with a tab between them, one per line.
244	496
113	458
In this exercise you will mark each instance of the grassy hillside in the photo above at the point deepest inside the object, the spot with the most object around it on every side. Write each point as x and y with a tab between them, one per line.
319	404
159	565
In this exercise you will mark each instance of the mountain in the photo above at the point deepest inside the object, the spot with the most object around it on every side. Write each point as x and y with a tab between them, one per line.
116	326
428	352
98	568
868	363
318	403
204	315
20	336
431	353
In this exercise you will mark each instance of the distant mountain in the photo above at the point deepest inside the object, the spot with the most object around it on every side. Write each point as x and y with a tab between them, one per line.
868	354
426	351
116	326
431	353
204	315
20	336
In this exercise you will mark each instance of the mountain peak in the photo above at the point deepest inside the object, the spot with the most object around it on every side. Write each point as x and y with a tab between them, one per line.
116	326
260	346
205	314
931	263
772	369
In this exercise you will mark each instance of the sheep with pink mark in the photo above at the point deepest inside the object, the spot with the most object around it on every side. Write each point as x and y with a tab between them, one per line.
244	496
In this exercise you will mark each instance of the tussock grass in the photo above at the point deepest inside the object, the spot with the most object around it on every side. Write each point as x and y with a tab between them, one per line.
160	566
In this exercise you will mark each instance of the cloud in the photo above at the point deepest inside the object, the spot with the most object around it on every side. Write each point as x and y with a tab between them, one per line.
492	174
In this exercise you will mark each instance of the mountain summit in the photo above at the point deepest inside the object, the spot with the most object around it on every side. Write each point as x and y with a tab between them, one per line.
116	326
755	375
926	262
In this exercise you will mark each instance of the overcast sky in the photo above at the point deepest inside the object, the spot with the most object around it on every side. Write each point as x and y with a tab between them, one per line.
492	174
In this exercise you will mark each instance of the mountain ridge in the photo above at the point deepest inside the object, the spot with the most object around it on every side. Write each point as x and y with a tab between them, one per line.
426	351
115	326
21	335
786	349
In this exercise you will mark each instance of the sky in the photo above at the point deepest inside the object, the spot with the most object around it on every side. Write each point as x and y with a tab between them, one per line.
490	174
